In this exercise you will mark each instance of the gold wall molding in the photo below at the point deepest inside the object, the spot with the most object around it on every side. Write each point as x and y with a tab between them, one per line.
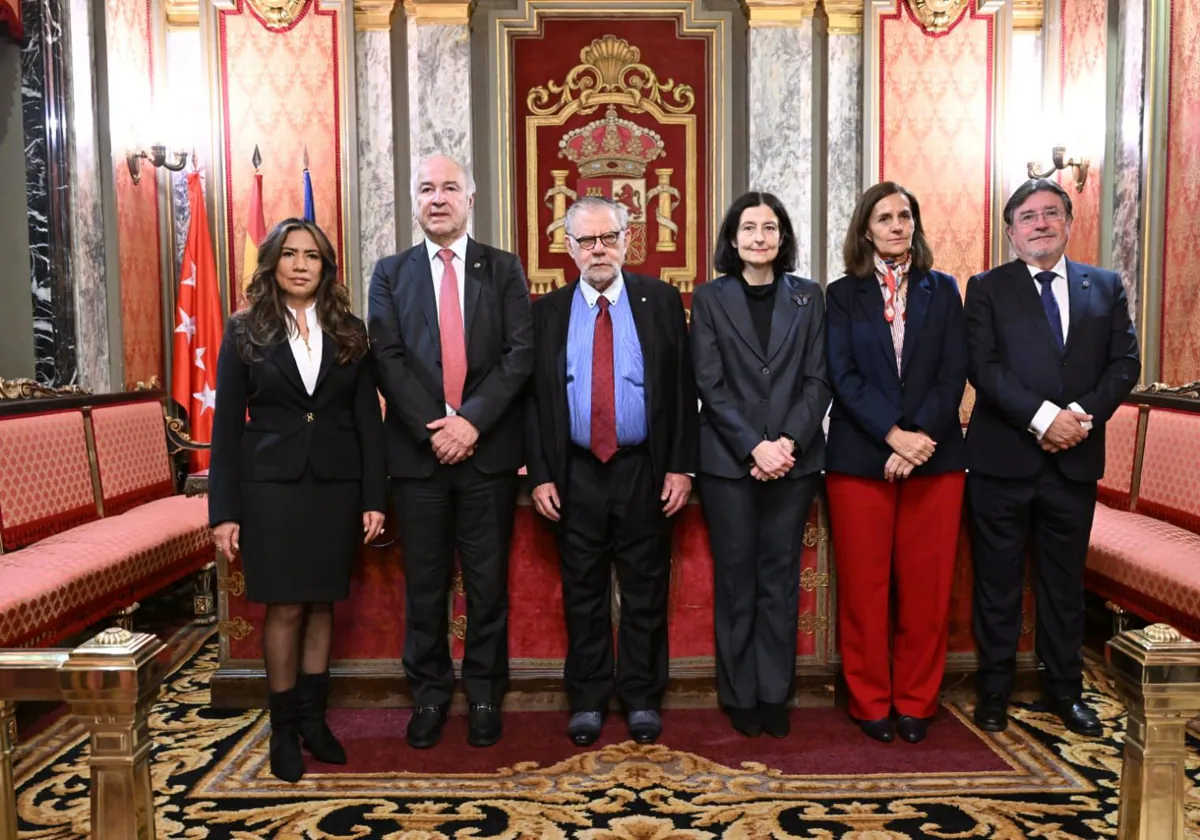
444	12
845	16
1027	15
778	12
278	14
183	14
373	15
937	15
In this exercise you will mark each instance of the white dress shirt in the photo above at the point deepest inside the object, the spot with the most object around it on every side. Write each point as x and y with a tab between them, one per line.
1046	414
308	355
438	269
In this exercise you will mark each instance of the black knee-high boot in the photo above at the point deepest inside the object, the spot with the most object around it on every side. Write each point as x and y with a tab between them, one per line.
313	690
287	762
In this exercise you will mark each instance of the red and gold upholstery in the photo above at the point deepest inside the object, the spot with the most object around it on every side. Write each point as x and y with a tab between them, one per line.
45	477
72	579
1170	479
1148	566
131	454
1119	454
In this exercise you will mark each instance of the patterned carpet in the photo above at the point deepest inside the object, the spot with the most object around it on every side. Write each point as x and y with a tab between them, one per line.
211	779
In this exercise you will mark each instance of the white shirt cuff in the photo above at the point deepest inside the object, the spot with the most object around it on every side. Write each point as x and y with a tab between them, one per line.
1044	417
1087	425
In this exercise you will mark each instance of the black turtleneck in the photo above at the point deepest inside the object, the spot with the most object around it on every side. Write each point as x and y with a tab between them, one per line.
761	302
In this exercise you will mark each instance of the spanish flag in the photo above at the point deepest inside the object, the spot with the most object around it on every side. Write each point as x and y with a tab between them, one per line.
256	229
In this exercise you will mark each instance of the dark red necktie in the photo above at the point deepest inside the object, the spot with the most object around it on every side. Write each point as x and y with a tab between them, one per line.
604	409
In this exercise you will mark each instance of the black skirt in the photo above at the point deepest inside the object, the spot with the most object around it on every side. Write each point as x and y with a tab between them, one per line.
299	539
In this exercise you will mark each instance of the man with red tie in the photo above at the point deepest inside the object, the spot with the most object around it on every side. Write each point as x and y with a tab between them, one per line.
451	333
612	431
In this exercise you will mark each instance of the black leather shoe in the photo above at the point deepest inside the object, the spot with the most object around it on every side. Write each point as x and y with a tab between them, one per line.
645	725
313	693
991	713
484	727
1076	716
880	730
584	728
425	726
912	729
774	717
745	721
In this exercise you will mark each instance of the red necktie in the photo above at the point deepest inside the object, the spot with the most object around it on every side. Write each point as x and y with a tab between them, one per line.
604	410
454	345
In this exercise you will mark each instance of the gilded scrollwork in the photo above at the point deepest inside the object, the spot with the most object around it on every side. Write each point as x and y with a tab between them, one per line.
237	629
1190	389
610	65
936	16
29	389
277	14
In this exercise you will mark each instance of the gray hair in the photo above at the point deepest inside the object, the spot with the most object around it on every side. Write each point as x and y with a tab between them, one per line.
595	202
416	174
1036	185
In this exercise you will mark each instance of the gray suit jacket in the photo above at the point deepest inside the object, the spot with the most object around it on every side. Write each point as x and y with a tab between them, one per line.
749	396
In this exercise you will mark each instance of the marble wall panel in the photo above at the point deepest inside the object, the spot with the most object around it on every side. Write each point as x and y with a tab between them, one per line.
844	143
376	152
1128	157
1084	98
781	159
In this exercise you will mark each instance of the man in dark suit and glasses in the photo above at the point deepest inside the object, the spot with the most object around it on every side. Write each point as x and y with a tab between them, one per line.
1051	353
451	332
612	441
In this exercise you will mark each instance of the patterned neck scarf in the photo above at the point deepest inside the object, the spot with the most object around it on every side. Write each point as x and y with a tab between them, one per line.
893	273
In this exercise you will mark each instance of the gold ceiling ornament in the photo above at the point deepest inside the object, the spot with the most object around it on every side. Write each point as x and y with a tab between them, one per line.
779	12
611	65
845	16
278	14
936	16
183	14
444	12
373	15
29	389
1027	15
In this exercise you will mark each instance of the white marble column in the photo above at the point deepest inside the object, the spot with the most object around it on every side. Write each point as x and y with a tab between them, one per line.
87	211
439	83
780	112
844	130
376	139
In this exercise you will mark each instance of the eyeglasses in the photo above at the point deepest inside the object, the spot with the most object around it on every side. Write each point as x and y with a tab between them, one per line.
1030	217
587	243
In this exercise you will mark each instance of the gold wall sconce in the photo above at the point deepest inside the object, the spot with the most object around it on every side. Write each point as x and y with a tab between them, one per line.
157	156
1079	167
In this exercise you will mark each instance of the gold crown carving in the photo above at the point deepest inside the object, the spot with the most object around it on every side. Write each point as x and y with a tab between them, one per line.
611	146
611	71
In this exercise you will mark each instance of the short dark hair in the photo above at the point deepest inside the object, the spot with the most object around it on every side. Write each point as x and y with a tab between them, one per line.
1035	185
858	253
725	256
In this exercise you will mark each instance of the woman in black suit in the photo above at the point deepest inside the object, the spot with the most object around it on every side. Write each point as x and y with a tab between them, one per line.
300	481
898	363
758	345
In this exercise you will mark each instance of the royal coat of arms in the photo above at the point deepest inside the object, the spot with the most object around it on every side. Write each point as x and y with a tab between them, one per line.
619	156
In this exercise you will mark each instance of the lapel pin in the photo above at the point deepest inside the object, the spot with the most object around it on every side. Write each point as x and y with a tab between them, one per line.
801	300
1084	284
477	265
643	300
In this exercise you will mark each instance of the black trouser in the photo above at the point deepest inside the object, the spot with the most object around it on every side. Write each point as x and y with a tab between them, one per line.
756	533
457	508
613	518
1057	513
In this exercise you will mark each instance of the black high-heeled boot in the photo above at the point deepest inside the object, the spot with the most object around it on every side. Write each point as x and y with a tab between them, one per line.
287	762
313	692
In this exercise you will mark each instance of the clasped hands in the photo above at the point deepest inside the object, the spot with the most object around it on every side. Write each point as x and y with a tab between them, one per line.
1066	430
676	489
909	451
453	438
773	459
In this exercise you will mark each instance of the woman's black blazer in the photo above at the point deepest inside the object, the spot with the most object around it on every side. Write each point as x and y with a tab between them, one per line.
266	427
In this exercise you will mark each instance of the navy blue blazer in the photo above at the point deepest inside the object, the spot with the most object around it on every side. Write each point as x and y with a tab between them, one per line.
870	396
1015	365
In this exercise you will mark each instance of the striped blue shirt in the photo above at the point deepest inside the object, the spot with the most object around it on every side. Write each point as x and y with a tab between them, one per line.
628	370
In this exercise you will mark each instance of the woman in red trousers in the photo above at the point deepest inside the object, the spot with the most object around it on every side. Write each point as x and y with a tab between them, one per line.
897	363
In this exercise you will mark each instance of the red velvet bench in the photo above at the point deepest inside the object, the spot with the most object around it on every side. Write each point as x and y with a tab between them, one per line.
1144	556
89	518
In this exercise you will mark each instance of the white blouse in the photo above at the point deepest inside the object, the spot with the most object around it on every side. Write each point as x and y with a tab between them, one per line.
308	354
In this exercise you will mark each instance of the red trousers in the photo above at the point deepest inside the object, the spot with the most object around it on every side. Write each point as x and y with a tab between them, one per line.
904	533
